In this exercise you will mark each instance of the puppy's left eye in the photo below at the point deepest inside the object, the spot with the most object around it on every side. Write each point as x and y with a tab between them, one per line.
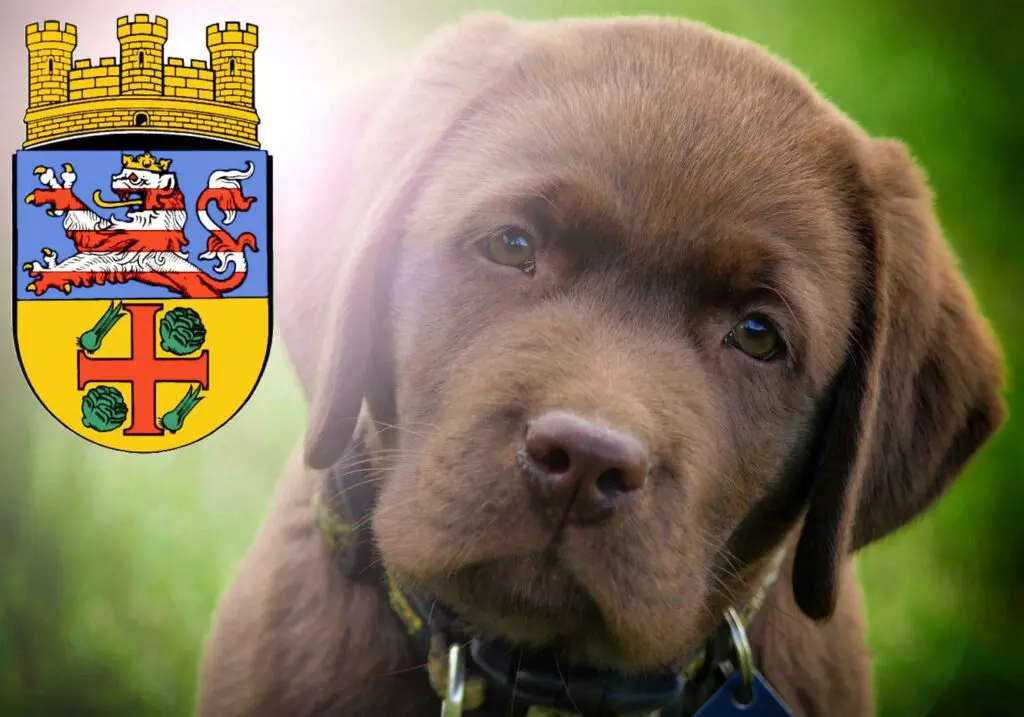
755	336
511	247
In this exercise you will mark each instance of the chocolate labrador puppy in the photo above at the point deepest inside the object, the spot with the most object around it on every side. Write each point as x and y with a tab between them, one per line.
615	316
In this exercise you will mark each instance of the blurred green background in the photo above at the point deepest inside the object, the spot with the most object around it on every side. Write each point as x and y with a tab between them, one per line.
111	564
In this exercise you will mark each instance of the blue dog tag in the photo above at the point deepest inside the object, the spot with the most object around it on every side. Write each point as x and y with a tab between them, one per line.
764	702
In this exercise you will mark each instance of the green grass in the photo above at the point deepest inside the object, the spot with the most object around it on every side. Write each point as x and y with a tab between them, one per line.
128	554
111	564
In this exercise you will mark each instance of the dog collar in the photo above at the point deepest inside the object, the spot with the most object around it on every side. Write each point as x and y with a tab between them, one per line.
474	677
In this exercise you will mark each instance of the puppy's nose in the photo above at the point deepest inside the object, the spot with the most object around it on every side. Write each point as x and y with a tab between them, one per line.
578	470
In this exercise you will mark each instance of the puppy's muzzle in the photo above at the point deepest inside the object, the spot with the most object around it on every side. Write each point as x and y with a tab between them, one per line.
579	472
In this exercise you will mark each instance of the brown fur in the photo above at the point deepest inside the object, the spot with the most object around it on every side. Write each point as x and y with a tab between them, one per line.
678	179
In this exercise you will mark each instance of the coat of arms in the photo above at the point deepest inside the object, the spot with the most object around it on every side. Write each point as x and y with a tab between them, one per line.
142	235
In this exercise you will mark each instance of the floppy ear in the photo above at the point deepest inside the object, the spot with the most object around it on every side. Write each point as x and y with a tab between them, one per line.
919	393
343	348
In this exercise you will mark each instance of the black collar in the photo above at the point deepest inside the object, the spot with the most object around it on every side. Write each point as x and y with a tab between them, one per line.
498	680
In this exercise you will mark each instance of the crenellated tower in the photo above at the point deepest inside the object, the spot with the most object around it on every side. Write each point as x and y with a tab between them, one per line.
232	60
142	54
50	49
139	91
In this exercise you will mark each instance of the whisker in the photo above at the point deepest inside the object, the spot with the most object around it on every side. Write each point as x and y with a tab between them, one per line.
404	670
363	464
362	523
406	429
384	452
353	486
566	686
358	416
515	686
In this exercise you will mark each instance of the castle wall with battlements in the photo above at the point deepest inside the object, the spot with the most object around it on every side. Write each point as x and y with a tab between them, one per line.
140	90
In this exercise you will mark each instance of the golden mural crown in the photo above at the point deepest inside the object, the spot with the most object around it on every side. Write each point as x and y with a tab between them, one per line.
141	90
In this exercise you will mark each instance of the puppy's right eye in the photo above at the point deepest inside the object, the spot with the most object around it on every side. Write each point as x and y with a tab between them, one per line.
511	247
757	337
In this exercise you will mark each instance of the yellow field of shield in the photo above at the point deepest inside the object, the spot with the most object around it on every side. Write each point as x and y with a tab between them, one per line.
236	339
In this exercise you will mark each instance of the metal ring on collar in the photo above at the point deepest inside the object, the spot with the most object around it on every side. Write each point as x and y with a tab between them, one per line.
455	690
744	655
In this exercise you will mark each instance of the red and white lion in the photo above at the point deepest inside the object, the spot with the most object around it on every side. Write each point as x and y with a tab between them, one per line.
148	244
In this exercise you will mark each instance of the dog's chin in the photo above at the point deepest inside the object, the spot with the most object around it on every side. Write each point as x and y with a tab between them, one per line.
533	604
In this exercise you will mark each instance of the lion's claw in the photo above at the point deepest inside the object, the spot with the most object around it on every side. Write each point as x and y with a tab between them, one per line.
47	177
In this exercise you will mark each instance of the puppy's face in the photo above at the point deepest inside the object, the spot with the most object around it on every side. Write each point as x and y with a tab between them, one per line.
619	306
666	258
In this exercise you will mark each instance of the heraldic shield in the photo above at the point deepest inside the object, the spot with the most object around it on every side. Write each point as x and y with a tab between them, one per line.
142	248
142	289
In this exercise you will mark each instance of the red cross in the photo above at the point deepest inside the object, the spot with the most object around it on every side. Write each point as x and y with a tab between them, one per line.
144	370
